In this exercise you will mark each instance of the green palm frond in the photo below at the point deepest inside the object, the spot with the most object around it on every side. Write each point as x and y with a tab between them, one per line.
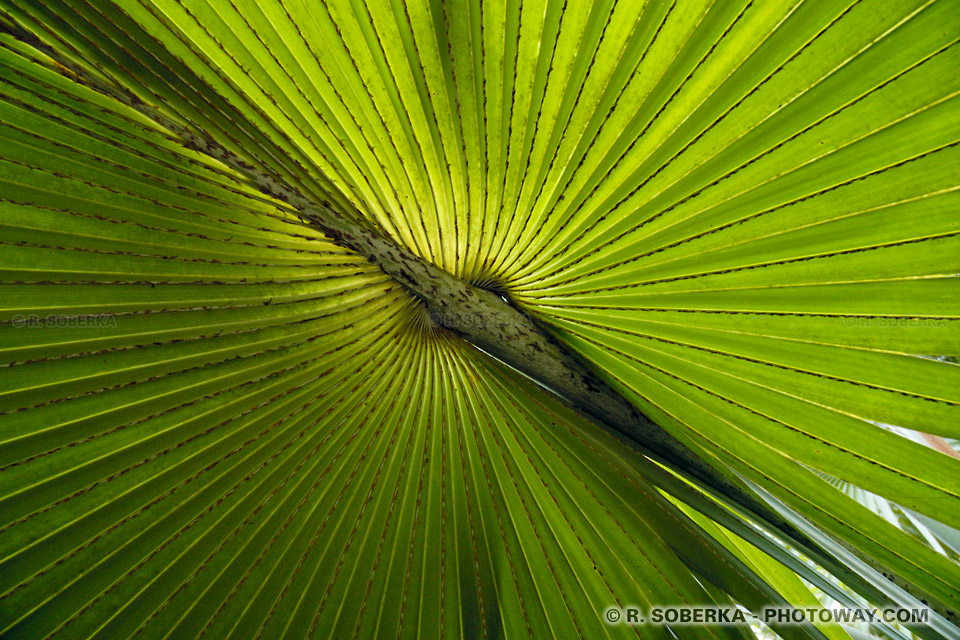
475	319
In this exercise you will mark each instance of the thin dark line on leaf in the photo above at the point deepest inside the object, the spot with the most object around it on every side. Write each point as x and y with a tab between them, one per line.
351	113
266	119
364	174
428	403
424	251
232	359
431	114
374	437
543	94
487	236
303	501
56	36
444	453
178	445
458	420
490	488
650	121
333	250
879	566
386	526
564	424
191	337
205	96
177	186
507	140
566	120
260	298
428	251
313	541
189	403
101	203
143	139
207	304
779	423
286	444
359	517
256	510
461	260
546	556
744	165
781	207
157	256
788	314
95	10
770	363
777	263
506	461
517	256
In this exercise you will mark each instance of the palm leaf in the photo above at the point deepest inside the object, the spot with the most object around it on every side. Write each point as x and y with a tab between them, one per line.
219	417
